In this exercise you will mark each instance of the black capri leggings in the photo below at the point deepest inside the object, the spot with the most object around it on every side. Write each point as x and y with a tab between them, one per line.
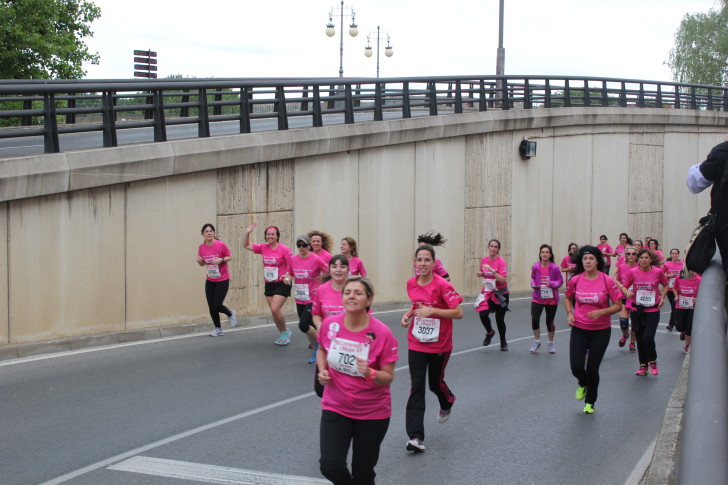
305	318
215	292
537	309
500	318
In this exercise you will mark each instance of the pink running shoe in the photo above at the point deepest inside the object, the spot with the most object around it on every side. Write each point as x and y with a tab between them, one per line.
622	341
642	370
654	369
632	348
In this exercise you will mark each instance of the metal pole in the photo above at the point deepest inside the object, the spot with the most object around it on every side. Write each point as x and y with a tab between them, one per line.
341	42
501	54
377	51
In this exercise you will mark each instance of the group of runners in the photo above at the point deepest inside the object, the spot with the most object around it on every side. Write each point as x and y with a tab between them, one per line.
355	353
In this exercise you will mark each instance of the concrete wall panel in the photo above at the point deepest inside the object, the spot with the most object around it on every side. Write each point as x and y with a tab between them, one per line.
66	262
164	218
488	168
610	170
4	328
679	206
573	190
646	172
481	225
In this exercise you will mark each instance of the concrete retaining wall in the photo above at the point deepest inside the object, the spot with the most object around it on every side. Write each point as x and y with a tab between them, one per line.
105	240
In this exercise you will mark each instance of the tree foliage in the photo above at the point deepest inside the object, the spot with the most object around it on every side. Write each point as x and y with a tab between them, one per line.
44	39
700	53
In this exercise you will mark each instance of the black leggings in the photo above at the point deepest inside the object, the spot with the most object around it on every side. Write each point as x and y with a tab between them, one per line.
432	366
215	292
305	319
596	342
500	318
337	433
537	309
684	320
645	327
673	315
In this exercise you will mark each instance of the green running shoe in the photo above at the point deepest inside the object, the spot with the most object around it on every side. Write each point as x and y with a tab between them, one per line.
580	393
588	409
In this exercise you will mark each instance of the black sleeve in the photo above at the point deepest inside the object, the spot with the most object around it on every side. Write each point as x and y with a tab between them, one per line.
712	167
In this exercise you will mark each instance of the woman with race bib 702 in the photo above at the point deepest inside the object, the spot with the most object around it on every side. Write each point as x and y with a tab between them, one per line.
591	298
276	270
645	280
356	359
435	304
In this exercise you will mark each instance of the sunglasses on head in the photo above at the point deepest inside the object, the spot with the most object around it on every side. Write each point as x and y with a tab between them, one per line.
301	245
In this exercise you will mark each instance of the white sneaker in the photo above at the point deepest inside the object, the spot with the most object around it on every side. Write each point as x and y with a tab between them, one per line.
552	348
216	333
284	338
416	445
443	415
233	319
536	345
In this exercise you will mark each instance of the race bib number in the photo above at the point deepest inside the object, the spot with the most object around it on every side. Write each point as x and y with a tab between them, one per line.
213	271
547	293
489	284
426	329
270	273
687	302
672	282
301	292
645	298
343	353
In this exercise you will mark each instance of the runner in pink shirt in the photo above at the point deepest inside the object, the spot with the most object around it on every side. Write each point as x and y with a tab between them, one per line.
545	280
607	252
434	240
435	304
624	241
349	249
320	245
627	304
214	255
356	359
494	294
686	291
645	281
672	269
306	268
591	298
567	265
654	246
276	273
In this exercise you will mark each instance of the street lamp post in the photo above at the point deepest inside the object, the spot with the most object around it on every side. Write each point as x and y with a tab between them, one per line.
331	31
388	51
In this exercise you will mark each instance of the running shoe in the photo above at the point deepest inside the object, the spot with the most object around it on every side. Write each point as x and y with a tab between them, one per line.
284	338
686	348
580	393
588	408
504	346
443	415
642	371
622	341
416	445
488	338
233	319
536	345
632	347
552	348
669	328
653	368
315	351
682	336
216	333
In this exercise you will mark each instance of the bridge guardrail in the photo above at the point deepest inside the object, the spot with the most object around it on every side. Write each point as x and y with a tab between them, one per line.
704	442
60	107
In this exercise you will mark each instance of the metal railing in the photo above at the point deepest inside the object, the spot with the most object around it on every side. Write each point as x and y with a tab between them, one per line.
52	108
704	442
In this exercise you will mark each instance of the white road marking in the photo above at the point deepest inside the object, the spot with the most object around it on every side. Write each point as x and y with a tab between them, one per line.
184	470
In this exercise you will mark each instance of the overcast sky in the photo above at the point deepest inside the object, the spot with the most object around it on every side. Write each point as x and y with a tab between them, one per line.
286	38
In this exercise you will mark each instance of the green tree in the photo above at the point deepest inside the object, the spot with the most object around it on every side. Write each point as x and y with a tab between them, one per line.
700	54
44	39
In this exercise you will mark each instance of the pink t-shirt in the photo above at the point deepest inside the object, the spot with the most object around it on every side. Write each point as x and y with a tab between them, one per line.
672	270
349	393
438	269
606	248
432	334
545	284
356	267
217	249
589	295
276	262
566	264
645	286
327	301
619	251
622	270
486	293
306	276
687	292
324	255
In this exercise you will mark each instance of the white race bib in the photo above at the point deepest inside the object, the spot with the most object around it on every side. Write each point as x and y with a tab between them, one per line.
489	284
645	298
270	273
426	329
547	293
672	282
301	292
213	271
343	353
479	300
687	302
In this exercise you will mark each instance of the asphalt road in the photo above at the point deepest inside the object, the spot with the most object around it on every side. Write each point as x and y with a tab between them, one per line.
238	409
